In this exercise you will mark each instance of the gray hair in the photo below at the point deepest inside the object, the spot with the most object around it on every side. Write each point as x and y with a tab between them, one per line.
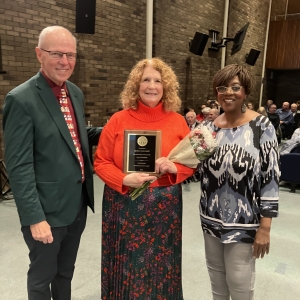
193	112
50	29
206	110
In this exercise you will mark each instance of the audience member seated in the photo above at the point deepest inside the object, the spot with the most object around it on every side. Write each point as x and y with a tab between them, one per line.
292	145
269	102
296	115
185	111
192	123
296	134
191	120
199	116
294	109
213	114
250	105
261	110
275	120
205	112
286	120
290	160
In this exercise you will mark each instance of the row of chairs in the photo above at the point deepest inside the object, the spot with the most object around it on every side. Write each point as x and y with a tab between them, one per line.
290	168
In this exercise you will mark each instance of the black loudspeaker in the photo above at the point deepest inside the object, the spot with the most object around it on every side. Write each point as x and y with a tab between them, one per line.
85	16
198	43
252	57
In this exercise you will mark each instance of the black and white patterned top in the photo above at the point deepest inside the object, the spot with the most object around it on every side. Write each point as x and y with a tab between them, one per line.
240	182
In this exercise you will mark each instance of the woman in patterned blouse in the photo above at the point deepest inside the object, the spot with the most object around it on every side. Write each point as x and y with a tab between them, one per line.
239	188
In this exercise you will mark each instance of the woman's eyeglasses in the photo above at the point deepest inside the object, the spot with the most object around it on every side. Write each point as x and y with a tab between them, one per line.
224	89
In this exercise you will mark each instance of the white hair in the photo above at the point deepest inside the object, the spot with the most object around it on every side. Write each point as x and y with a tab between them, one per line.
193	112
50	29
206	110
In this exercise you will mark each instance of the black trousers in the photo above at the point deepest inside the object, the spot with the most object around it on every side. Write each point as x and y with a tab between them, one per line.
53	264
287	130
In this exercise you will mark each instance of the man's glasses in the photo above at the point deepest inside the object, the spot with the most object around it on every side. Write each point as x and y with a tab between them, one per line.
224	89
59	55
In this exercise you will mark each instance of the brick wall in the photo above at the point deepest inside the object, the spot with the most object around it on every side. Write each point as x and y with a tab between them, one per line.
176	23
105	58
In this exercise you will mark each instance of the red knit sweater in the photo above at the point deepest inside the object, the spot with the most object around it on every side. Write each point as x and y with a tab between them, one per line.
108	161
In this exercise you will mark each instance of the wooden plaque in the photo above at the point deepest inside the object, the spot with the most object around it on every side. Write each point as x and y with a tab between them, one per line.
141	149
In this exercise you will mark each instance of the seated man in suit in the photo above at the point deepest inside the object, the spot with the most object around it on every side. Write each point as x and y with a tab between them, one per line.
213	114
48	164
269	102
191	120
286	120
275	120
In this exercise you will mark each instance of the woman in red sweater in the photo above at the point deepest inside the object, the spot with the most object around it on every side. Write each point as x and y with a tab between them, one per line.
141	239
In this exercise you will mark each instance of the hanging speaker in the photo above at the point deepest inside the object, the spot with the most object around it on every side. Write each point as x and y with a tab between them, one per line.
85	16
252	57
198	43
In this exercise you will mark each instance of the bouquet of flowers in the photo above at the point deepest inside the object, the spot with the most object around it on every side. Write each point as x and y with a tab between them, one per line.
198	145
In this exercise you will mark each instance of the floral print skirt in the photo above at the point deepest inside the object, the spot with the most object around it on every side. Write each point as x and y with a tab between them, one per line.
141	245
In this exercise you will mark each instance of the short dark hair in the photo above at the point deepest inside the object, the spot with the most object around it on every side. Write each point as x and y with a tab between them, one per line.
223	76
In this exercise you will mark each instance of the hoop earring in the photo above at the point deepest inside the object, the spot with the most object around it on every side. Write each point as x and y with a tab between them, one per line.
243	109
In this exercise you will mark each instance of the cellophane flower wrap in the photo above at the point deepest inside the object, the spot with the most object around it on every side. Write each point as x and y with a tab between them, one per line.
198	145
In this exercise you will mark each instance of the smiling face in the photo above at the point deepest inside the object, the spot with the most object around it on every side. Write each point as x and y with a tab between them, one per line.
58	70
151	87
230	101
191	117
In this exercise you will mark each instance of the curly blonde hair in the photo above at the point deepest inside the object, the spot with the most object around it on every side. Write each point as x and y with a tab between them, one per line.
170	98
223	76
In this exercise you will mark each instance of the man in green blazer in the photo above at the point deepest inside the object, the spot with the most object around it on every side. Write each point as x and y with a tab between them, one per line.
48	164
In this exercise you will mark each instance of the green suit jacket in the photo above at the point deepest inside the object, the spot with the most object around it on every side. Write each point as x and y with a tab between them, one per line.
42	165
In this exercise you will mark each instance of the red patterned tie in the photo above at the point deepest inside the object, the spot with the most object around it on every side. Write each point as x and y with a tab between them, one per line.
63	101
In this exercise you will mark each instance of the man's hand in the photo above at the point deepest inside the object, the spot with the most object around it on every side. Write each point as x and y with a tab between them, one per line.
42	232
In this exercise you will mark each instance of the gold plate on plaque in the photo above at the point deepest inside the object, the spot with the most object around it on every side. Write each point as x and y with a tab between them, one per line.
141	149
